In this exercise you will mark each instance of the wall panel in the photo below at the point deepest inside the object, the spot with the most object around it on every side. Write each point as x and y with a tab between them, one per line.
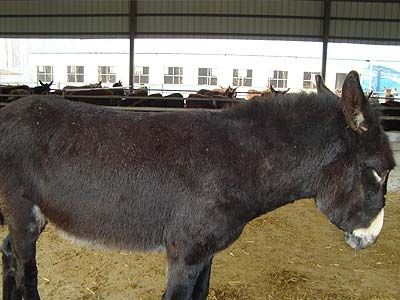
365	22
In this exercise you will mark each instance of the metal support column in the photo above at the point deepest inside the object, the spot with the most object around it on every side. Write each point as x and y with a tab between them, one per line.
132	33
325	35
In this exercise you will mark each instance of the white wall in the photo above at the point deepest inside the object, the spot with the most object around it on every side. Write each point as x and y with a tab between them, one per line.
263	57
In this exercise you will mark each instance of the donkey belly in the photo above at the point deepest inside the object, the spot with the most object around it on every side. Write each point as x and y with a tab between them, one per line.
102	229
104	216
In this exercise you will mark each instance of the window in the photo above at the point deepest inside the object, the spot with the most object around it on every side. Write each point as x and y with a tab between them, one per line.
309	80
106	74
75	73
279	80
242	77
173	75
206	77
141	75
44	73
339	80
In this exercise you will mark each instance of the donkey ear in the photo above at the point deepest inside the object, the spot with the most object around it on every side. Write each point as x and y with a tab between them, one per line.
354	103
272	88
41	83
321	87
284	92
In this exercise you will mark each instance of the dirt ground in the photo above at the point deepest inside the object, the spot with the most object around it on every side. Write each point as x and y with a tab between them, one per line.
292	253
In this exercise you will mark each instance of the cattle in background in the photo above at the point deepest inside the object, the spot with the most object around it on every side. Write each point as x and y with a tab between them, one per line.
88	86
212	98
7	89
118	94
388	94
118	89
177	100
200	101
154	100
265	93
101	96
94	92
253	93
63	91
187	183
229	92
391	112
133	99
43	88
142	91
18	93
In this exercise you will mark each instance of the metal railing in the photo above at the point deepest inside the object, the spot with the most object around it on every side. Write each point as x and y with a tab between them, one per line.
119	100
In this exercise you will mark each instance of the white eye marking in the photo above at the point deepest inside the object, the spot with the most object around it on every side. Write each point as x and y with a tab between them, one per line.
377	177
373	230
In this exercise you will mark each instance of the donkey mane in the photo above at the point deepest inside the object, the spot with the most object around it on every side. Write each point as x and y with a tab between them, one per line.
304	110
290	107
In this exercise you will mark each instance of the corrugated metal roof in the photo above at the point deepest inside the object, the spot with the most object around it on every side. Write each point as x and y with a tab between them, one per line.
349	21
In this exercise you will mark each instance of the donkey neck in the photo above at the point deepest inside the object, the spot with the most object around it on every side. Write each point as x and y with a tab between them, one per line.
288	153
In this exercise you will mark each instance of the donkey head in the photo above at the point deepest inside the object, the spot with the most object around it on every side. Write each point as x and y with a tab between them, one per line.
46	86
275	92
117	84
230	92
352	188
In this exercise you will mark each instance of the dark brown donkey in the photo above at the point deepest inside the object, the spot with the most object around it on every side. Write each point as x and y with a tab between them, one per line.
185	181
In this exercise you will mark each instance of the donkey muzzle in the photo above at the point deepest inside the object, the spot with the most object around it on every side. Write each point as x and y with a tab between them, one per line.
364	237
359	242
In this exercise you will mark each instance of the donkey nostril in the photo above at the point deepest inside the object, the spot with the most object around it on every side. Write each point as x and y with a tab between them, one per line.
359	242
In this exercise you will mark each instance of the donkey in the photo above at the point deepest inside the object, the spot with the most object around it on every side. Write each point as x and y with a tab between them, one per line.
229	92
187	182
272	92
43	88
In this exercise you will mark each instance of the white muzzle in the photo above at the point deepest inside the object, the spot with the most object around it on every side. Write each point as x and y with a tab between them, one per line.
364	237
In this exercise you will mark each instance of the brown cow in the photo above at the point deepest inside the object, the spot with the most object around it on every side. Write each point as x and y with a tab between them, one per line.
215	98
265	93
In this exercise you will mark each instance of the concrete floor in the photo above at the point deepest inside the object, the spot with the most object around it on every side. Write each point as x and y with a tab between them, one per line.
394	177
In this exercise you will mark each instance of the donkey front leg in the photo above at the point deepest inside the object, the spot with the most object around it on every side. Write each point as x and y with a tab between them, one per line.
10	291
25	227
187	281
201	287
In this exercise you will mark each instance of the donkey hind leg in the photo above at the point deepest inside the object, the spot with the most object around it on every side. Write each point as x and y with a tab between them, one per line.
200	290
25	230
10	291
186	282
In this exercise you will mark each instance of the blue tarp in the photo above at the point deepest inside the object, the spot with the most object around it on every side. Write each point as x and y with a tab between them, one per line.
381	77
